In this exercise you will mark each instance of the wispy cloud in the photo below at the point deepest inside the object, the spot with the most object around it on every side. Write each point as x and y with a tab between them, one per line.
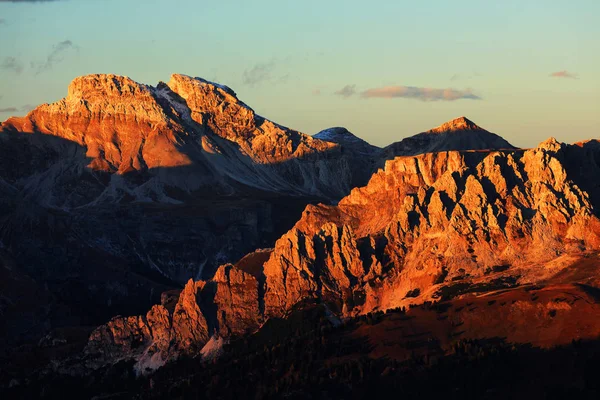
11	64
57	55
346	91
419	93
26	1
259	73
564	74
266	72
26	108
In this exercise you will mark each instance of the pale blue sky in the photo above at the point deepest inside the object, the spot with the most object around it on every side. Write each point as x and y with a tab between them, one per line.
277	54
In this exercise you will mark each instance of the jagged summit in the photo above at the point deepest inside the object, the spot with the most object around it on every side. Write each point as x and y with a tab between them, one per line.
122	85
77	176
430	227
180	77
188	133
550	144
200	134
457	124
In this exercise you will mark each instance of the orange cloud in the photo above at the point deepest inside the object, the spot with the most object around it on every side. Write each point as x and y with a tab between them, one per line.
564	74
419	93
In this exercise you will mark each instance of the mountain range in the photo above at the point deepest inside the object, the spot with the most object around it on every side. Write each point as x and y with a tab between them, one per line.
145	224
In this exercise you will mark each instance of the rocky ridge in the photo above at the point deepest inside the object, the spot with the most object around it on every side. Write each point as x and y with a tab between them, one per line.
188	133
124	189
427	227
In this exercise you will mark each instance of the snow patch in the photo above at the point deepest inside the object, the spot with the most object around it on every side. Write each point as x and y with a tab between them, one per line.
183	110
148	363
213	348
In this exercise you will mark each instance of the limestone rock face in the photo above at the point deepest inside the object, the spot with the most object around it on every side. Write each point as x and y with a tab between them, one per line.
120	187
189	324
188	134
120	122
426	221
426	227
186	160
290	272
158	335
217	108
326	264
226	306
237	301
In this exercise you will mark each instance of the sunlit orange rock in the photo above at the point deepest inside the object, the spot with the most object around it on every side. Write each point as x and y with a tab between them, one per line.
421	225
196	126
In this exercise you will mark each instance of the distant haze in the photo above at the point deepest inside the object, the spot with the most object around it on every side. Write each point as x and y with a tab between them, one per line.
526	70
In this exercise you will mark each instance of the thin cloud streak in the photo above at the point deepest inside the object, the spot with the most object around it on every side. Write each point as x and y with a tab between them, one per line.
564	74
26	108
419	93
261	72
346	91
56	56
11	64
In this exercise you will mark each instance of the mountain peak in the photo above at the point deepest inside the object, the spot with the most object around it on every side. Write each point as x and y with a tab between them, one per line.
100	87
335	131
343	136
550	144
460	134
457	124
181	78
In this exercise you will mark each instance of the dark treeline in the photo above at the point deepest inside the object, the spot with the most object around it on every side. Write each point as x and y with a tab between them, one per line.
306	357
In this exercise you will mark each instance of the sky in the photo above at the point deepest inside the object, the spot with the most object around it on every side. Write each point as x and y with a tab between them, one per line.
526	69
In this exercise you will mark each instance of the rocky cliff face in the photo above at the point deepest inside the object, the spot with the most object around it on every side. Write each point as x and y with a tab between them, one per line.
122	190
427	227
226	306
187	134
438	218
